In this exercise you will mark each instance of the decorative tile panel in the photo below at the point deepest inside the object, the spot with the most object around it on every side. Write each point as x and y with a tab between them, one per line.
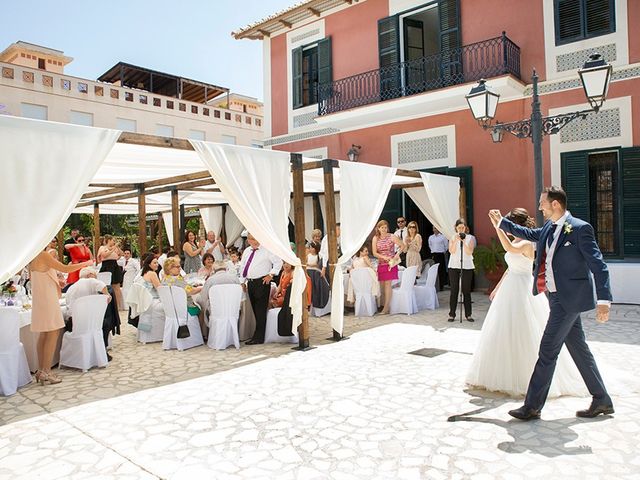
300	136
115	93
304	119
27	77
98	91
573	60
7	72
47	80
604	124
65	84
423	149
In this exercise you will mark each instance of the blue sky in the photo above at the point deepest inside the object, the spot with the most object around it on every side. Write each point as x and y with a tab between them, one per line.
191	38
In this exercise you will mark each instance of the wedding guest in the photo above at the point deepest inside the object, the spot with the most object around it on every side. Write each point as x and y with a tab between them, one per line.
320	289
384	248
359	262
439	244
79	253
149	275
176	257
258	267
286	277
46	317
402	232
192	252
460	270
313	259
413	244
207	266
130	267
173	278
214	246
220	276
316	236
108	255
72	240
52	249
233	264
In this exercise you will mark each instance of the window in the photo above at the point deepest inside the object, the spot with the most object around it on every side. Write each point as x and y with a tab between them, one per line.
579	19
29	110
311	67
126	125
228	139
164	130
81	118
196	135
603	188
42	64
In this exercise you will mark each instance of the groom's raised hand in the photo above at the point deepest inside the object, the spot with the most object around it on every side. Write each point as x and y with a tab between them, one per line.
602	313
495	217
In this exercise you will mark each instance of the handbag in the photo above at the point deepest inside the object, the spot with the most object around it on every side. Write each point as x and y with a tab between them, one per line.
183	330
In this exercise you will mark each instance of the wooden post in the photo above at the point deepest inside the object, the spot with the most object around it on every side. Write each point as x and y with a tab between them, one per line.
183	226
96	229
160	227
298	218
142	221
60	238
317	212
175	220
330	209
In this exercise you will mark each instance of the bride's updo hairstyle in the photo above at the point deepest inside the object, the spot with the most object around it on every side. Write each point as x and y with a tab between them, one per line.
520	216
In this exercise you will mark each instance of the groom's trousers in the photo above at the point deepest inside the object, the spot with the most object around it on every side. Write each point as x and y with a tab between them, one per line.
563	328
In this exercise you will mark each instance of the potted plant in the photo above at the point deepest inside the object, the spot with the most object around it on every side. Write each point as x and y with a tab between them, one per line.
490	260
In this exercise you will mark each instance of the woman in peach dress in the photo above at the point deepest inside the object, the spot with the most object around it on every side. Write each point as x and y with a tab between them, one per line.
46	317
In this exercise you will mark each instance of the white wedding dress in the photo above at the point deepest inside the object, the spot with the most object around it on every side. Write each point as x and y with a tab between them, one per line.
510	339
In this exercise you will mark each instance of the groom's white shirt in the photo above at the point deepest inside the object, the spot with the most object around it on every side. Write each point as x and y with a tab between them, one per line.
550	250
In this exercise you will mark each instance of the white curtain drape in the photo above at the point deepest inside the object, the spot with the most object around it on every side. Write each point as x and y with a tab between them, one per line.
439	200
363	193
212	218
167	220
308	216
232	226
257	185
46	168
324	213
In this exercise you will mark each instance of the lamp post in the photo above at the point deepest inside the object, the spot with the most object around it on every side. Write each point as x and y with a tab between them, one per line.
354	153
483	102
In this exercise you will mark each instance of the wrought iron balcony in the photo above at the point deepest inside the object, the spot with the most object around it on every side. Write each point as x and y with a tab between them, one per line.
469	63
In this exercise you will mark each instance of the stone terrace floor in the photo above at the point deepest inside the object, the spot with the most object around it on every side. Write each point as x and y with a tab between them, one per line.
360	408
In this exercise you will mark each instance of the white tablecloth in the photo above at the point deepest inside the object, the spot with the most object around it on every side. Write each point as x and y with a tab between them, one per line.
29	340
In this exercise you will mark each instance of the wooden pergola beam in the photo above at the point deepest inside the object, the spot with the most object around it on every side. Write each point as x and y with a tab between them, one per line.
106	192
314	11
264	33
285	23
154	141
178	179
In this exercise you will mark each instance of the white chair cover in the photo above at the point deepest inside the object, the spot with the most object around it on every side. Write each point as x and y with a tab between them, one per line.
84	348
14	369
174	302
271	331
149	311
127	281
365	301
403	298
426	295
224	306
422	280
105	277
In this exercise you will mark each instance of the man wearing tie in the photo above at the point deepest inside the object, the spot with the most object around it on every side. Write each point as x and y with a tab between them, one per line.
258	266
402	233
566	256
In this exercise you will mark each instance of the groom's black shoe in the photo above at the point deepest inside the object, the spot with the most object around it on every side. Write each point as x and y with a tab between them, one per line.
525	413
595	409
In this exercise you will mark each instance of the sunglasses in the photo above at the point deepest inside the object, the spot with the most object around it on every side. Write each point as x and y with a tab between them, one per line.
80	240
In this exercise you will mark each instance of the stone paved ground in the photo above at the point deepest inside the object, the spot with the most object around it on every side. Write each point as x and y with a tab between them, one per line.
360	408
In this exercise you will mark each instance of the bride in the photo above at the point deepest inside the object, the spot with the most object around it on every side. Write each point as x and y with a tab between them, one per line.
508	348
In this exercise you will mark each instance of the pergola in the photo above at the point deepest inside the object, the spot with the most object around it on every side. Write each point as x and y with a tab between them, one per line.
308	177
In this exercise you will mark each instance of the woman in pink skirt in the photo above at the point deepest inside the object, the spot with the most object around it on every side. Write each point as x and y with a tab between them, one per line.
384	249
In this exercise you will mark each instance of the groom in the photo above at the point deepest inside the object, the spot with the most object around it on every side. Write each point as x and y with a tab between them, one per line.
566	254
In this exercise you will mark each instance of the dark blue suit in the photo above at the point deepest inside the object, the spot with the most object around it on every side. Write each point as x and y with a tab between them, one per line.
576	255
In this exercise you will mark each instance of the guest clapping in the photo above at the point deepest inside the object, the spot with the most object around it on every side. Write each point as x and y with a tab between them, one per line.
413	244
108	255
192	252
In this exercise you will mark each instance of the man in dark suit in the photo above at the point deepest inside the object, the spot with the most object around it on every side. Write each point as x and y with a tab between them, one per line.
566	255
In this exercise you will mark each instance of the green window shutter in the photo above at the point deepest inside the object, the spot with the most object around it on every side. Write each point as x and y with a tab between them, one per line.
325	72
389	55
630	168
575	181
450	43
599	17
568	16
296	70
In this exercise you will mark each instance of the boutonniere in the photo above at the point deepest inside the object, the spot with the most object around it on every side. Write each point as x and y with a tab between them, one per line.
567	228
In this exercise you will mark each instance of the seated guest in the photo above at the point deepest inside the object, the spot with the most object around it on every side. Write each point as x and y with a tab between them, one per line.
363	261
88	284
220	277
173	278
286	277
207	266
148	278
233	264
176	256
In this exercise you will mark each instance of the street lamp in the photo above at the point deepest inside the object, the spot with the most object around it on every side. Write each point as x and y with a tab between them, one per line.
354	153
483	102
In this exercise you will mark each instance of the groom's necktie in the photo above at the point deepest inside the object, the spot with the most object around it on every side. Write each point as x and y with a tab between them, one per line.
552	231
541	281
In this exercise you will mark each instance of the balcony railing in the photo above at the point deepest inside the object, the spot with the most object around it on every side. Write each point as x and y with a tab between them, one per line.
489	58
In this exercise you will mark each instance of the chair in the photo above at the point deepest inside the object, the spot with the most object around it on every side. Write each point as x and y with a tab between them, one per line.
365	304
104	277
271	330
224	307
422	279
426	295
83	347
149	311
403	298
14	369
174	302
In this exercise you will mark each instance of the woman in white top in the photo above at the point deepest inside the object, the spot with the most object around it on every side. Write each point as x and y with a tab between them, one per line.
457	270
